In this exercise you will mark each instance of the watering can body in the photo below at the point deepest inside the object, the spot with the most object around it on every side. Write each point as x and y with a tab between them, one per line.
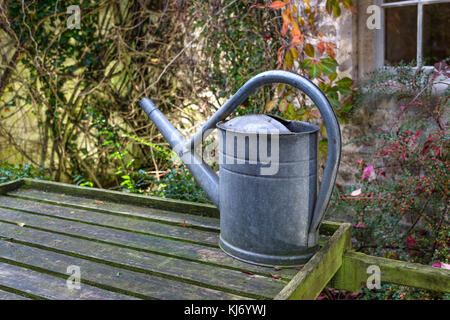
267	197
268	194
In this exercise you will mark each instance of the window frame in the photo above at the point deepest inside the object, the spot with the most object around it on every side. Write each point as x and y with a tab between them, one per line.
380	35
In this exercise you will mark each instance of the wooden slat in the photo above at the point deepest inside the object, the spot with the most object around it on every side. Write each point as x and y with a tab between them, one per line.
353	273
143	286
50	287
236	282
5	295
10	186
126	198
152	244
123	209
128	223
315	275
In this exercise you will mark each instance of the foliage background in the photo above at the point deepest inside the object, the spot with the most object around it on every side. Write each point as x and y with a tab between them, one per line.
69	98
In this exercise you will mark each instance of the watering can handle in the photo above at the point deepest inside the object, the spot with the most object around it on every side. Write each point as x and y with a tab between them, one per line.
328	115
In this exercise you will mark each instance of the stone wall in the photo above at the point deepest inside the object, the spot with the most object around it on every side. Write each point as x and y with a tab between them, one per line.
356	56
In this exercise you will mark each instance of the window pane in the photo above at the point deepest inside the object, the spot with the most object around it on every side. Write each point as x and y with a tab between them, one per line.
400	34
436	32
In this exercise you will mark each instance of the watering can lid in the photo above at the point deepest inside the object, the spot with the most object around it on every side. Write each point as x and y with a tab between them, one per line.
255	123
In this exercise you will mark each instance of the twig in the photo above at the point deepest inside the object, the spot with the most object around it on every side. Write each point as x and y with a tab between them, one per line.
189	44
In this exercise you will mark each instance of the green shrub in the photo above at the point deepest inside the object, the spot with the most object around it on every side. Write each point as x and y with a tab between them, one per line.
400	201
9	172
395	292
180	184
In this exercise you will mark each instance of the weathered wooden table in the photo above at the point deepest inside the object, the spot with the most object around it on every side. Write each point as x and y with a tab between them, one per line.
134	247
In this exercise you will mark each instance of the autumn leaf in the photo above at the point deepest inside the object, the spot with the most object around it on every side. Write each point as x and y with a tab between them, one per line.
294	7
297	40
331	53
284	29
275	276
294	53
247	272
271	105
288	61
333	6
295	30
280	54
278	4
309	50
321	46
286	22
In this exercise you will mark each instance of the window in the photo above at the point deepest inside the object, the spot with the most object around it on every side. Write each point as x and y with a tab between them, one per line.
414	30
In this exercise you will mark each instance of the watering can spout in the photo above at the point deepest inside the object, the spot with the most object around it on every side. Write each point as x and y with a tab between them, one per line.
205	176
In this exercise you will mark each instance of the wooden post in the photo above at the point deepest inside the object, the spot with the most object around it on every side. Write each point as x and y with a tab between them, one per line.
310	281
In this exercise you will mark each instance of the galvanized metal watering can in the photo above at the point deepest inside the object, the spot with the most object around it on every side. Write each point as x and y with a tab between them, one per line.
268	197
